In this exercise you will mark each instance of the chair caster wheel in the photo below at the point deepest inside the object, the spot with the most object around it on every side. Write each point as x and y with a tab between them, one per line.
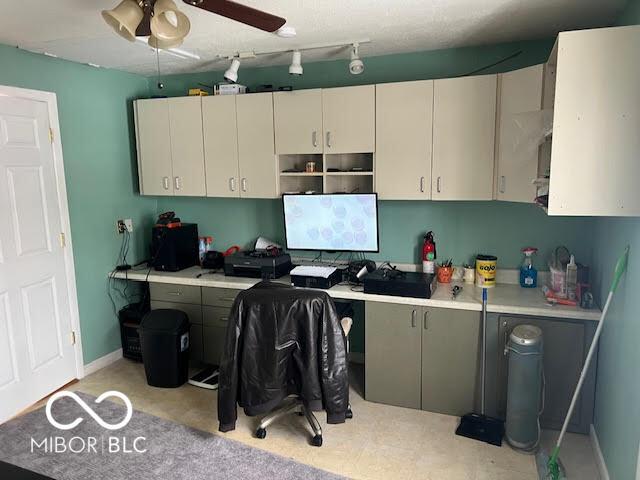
316	441
261	433
349	414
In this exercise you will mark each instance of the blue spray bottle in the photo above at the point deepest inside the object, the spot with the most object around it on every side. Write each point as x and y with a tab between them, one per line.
528	273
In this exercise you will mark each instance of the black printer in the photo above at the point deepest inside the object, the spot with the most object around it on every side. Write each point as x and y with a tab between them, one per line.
266	264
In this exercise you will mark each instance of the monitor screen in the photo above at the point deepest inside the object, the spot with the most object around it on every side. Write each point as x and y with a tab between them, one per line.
331	222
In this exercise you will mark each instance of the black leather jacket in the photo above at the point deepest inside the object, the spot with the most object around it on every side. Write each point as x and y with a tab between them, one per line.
282	341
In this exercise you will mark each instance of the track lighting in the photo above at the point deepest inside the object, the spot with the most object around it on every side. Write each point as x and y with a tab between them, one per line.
231	75
296	63
356	67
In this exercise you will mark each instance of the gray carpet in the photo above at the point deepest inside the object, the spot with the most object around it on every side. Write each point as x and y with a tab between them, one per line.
174	451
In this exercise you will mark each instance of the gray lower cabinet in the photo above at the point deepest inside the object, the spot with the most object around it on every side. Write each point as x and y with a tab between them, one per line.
216	308
566	343
392	354
420	357
450	360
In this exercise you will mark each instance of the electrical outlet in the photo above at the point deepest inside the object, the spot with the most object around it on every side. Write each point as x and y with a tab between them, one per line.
124	224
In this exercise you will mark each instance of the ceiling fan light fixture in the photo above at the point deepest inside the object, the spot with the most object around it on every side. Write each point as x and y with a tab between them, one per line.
169	23
296	63
231	75
356	66
124	19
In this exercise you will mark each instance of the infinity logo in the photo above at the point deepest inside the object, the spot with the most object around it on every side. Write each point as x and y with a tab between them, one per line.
89	410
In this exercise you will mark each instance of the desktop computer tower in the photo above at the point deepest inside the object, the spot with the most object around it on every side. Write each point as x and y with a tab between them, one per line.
174	248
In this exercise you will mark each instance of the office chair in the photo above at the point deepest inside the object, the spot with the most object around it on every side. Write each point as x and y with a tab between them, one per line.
296	405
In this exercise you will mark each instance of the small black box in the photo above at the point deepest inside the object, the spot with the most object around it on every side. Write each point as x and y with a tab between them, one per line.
400	284
174	248
308	281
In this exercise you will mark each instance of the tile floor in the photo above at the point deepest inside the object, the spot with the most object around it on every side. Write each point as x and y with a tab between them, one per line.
380	442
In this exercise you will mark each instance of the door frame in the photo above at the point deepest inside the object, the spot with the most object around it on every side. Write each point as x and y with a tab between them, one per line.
51	100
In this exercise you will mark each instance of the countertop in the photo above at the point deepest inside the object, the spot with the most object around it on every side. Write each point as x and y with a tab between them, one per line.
503	298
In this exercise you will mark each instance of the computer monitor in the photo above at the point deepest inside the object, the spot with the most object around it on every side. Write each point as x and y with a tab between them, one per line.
340	222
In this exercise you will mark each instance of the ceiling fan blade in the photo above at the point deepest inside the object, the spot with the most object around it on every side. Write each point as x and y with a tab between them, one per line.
241	13
144	29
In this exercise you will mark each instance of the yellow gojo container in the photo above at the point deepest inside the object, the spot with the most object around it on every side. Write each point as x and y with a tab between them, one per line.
486	266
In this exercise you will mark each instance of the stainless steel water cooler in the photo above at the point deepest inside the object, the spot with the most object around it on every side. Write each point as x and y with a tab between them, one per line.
525	387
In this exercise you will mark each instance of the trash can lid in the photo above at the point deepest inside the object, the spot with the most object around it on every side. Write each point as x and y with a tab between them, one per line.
526	335
165	320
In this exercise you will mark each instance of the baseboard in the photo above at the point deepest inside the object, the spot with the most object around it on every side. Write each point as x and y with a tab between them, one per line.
595	444
102	362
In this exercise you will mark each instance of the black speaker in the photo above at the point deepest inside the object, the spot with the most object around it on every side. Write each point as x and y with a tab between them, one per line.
174	248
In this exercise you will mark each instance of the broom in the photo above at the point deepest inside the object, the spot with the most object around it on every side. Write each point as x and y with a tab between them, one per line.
552	469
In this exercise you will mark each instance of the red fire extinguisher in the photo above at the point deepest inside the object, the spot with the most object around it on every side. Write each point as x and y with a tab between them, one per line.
429	254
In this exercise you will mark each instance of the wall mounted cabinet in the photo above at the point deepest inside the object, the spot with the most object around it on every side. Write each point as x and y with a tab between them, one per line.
404	116
256	155
348	115
298	122
519	104
464	113
221	146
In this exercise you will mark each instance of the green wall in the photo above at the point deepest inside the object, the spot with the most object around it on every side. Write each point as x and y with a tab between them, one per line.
99	156
462	228
617	411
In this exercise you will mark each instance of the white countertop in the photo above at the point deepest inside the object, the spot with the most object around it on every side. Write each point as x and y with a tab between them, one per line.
503	298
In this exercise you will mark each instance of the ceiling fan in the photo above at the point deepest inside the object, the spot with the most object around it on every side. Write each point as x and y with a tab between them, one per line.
167	27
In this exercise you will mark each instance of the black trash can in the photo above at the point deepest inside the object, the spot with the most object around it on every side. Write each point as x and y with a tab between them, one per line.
164	335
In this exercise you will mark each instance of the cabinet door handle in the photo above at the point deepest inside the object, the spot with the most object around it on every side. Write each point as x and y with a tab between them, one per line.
503	184
224	319
438	184
413	319
422	184
244	184
314	138
232	184
177	294
165	183
176	183
425	320
329	139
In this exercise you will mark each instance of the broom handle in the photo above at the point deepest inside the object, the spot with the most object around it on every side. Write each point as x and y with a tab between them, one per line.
484	348
585	368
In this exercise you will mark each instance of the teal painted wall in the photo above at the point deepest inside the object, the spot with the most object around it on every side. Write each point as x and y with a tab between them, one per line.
462	228
96	125
617	411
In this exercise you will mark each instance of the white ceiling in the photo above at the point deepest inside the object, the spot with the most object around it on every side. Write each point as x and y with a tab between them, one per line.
74	29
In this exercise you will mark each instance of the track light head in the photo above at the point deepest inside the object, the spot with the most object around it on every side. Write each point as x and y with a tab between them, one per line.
296	63
356	66
231	75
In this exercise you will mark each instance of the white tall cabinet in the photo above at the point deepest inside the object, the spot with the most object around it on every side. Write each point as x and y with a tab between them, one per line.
154	146
404	115
519	104
464	113
221	145
256	155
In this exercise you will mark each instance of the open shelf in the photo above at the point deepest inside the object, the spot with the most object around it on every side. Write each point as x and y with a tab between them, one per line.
301	174
344	162
299	162
348	174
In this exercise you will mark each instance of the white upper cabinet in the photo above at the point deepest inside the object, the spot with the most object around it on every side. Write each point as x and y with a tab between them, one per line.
187	152
519	115
220	145
349	119
595	153
464	113
298	121
257	159
154	146
404	114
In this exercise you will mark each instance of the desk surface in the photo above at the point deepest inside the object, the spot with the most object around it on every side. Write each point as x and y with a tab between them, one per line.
504	298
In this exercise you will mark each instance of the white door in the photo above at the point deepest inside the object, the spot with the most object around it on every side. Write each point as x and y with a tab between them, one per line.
464	118
519	120
298	121
257	159
404	114
349	119
220	145
37	355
